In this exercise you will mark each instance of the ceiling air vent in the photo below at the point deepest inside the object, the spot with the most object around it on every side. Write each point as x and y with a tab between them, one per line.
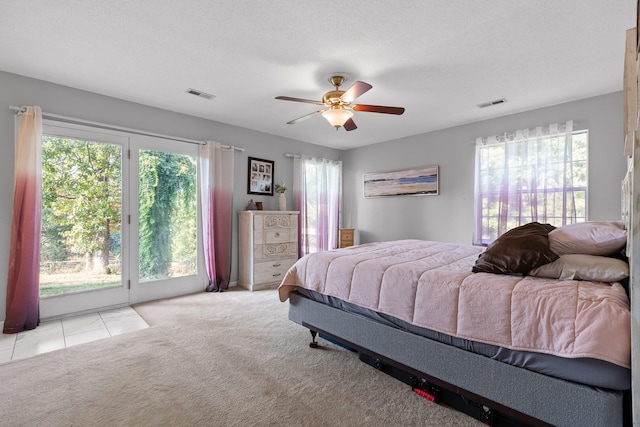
200	93
492	103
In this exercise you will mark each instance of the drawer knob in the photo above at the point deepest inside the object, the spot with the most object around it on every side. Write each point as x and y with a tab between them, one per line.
277	265
276	275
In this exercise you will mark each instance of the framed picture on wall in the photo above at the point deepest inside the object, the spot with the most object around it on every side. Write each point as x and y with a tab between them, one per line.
260	179
411	182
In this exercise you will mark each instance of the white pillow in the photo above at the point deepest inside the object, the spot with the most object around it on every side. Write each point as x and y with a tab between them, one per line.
584	267
589	238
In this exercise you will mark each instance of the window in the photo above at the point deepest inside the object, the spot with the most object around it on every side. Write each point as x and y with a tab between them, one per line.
539	175
167	221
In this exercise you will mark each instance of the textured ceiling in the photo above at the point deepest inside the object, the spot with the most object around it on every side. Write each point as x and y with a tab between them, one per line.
436	58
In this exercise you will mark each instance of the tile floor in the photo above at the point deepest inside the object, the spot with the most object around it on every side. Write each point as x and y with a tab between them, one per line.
53	335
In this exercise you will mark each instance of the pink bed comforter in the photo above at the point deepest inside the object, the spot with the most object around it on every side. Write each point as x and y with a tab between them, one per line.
430	284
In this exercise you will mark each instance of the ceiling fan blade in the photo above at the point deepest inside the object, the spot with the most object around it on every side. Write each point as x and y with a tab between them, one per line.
378	109
357	89
306	116
349	125
309	101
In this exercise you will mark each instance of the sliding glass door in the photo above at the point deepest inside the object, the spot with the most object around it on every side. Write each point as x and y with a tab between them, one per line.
165	220
83	204
120	219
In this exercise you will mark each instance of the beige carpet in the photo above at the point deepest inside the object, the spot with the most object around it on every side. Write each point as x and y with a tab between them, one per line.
228	359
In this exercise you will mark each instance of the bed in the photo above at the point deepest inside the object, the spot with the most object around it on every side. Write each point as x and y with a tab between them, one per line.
533	330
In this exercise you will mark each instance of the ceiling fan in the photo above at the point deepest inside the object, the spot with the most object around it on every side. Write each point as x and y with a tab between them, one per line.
339	112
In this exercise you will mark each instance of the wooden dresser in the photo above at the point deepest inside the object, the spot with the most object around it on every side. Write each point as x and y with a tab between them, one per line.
267	247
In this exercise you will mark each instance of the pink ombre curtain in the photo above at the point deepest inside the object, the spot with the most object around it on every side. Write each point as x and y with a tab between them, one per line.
24	258
317	193
527	175
216	186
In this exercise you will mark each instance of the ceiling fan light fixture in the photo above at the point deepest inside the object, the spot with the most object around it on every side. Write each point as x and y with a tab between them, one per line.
337	117
339	110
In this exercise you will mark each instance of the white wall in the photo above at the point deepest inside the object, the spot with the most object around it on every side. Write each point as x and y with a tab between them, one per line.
448	217
56	99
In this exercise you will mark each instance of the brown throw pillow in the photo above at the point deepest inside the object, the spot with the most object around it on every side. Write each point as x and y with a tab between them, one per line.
518	251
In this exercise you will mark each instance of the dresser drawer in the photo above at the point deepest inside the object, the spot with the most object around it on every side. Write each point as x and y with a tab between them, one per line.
275	250
274	221
271	222
279	236
274	271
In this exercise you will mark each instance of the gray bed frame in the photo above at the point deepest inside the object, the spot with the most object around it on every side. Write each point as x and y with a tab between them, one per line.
525	396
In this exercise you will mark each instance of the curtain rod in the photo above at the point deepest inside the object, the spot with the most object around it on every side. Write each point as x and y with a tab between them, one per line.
511	135
105	126
300	156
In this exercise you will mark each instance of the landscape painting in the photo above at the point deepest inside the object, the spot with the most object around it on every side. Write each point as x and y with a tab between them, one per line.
411	182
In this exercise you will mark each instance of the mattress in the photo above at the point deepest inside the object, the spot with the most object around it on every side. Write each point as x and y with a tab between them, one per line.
428	288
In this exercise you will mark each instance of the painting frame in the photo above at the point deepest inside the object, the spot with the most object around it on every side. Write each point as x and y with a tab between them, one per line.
422	181
260	176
